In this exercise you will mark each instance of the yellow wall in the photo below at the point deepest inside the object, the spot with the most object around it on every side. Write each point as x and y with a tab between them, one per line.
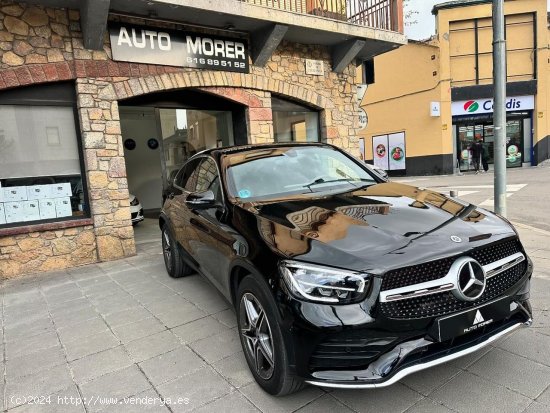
405	84
517	37
406	81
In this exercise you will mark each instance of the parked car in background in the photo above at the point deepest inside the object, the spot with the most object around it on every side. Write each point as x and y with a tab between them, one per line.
339	278
136	210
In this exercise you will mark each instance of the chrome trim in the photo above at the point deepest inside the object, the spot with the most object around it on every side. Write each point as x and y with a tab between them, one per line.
447	282
418	367
499	266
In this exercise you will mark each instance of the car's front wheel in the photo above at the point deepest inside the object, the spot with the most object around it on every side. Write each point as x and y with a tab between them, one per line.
175	266
261	339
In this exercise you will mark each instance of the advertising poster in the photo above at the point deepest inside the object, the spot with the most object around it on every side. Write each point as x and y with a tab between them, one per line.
380	151
362	149
396	152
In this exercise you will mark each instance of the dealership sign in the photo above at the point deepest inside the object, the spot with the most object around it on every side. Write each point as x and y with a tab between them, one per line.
174	48
480	106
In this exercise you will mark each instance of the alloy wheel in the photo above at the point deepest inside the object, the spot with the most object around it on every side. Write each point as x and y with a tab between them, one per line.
257	335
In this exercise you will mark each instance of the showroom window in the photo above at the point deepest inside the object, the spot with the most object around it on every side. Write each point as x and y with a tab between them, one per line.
40	162
293	122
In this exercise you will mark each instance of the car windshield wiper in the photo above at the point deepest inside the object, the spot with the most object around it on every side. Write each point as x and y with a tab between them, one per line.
348	180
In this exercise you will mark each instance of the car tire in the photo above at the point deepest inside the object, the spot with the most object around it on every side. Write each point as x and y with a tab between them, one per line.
173	260
274	376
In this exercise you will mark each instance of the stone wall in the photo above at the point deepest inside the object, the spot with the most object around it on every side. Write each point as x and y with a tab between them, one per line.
47	250
40	45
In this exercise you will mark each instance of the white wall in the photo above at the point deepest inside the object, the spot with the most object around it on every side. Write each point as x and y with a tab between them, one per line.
143	165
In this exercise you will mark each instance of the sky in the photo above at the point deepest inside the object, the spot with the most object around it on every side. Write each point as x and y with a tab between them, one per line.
425	25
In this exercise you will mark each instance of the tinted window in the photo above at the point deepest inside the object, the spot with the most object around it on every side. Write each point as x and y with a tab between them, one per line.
207	178
186	177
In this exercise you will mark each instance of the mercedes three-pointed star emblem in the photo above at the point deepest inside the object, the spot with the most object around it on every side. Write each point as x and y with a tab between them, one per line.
470	279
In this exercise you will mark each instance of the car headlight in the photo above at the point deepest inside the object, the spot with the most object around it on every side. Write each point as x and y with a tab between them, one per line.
135	201
323	284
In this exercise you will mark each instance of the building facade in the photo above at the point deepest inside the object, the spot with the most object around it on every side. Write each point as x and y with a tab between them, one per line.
437	94
100	99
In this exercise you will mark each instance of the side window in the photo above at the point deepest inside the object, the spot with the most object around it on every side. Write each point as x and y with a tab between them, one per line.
186	177
207	178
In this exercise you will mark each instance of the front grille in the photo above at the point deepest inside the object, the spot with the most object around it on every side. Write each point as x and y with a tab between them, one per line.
433	270
134	215
439	304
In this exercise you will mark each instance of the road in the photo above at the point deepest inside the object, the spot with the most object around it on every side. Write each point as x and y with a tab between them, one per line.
528	192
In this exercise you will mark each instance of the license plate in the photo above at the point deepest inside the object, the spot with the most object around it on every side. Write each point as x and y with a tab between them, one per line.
472	320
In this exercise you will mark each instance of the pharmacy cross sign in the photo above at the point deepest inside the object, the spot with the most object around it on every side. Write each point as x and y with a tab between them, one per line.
140	44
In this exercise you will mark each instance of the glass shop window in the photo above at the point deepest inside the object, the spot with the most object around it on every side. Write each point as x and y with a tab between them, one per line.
40	165
293	122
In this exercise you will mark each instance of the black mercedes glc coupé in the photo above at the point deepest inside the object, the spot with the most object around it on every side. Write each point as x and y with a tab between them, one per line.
338	277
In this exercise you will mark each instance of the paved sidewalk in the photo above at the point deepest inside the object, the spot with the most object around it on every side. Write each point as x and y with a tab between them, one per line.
107	331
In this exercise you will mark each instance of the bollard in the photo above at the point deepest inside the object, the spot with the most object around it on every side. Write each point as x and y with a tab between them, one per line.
454	193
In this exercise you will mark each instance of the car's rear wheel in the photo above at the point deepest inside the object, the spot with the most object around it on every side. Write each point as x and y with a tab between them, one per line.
175	266
261	339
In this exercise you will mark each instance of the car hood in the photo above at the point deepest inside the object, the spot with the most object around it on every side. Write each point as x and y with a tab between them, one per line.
384	226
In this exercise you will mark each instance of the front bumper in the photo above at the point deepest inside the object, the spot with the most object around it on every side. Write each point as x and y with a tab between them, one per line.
136	214
356	347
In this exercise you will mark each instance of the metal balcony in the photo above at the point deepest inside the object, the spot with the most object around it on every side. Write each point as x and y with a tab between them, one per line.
378	14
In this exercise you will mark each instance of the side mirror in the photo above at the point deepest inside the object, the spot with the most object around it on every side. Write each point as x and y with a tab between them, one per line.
201	200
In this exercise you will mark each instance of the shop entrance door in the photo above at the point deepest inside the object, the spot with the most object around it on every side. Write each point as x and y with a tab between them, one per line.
467	131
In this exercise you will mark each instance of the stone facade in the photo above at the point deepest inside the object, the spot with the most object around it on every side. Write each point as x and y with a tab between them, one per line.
39	45
47	250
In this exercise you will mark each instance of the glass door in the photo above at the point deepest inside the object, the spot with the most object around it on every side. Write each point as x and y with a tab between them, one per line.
186	132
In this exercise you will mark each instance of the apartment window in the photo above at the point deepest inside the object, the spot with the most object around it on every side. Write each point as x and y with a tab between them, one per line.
293	122
368	72
40	161
470	43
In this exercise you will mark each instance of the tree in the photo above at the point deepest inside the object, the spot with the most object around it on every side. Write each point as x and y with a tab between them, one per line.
409	13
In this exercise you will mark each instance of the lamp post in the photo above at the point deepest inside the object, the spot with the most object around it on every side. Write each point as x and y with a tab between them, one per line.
499	116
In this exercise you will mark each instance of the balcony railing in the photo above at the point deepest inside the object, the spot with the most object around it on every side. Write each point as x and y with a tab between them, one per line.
379	14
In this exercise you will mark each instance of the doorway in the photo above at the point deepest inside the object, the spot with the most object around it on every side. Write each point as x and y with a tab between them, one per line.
470	129
161	131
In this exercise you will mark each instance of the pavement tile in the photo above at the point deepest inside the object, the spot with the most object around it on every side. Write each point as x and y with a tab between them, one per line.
530	344
34	362
536	408
514	372
69	306
115	303
235	370
395	398
89	345
199	329
324	404
172	365
226	317
12	299
171	303
59	289
91	281
59	402
181	315
466	392
268	403
427	405
28	328
102	290
428	380
66	318
32	344
209	300
232	403
68	295
158	293
119	384
82	330
95	365
36	385
199	388
218	347
147	401
147	347
139	329
544	398
129	315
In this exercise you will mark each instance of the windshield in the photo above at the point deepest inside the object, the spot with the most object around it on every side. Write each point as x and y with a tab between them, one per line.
277	172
